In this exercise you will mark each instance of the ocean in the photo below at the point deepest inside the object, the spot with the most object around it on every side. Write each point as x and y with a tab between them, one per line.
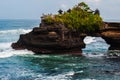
24	65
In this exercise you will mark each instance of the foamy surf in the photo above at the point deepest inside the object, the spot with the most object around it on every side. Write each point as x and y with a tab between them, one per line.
15	31
5	45
88	79
11	52
93	55
89	39
62	76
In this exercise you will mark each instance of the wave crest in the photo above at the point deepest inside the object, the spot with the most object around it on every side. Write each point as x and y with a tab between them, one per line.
11	52
14	31
89	40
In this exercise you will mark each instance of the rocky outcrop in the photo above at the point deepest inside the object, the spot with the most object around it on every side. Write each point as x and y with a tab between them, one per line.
50	39
56	38
61	33
111	34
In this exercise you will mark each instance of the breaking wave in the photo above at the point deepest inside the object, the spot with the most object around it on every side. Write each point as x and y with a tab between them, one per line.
11	52
6	51
5	45
89	39
62	76
15	31
94	55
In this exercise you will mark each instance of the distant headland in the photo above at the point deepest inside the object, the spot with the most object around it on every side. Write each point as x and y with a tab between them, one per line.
64	32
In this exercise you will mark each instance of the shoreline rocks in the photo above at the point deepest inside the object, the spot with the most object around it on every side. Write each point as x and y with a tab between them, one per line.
57	39
111	34
50	39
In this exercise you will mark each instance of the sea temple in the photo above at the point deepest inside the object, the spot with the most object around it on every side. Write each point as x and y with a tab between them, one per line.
65	32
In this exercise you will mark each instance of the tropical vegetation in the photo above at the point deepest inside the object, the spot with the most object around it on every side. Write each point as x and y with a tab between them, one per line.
80	18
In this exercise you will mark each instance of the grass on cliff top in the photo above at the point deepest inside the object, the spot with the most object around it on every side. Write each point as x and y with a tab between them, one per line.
80	18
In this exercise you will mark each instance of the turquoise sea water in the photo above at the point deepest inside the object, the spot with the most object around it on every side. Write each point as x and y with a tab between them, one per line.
24	65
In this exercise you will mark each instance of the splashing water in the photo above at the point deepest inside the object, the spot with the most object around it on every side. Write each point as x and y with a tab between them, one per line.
24	65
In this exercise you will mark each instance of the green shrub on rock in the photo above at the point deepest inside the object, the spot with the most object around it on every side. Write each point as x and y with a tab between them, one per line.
80	17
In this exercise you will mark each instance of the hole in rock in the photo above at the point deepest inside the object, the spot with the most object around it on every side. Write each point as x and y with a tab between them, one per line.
95	45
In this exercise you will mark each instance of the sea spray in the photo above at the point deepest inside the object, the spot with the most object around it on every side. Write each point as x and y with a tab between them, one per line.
89	40
21	65
5	44
11	52
15	31
95	44
96	47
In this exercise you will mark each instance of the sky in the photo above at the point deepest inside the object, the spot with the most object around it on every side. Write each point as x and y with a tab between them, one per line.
33	9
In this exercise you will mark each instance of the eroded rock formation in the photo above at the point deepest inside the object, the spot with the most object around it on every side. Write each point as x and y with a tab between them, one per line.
50	39
63	32
111	34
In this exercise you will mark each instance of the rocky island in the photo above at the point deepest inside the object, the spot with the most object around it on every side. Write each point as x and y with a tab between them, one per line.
64	32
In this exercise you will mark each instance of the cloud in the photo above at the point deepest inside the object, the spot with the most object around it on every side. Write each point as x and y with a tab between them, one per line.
96	1
63	6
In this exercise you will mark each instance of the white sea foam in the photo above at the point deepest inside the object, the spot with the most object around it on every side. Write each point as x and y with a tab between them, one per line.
70	73
11	52
15	31
5	45
63	76
5	54
89	39
94	55
88	79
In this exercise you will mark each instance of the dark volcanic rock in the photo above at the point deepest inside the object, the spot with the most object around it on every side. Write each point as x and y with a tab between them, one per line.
57	38
50	39
111	34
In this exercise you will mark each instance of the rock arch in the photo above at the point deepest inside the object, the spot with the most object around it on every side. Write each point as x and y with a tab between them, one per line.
111	34
47	39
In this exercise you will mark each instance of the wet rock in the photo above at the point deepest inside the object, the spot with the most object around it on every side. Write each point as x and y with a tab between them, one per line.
50	39
111	34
